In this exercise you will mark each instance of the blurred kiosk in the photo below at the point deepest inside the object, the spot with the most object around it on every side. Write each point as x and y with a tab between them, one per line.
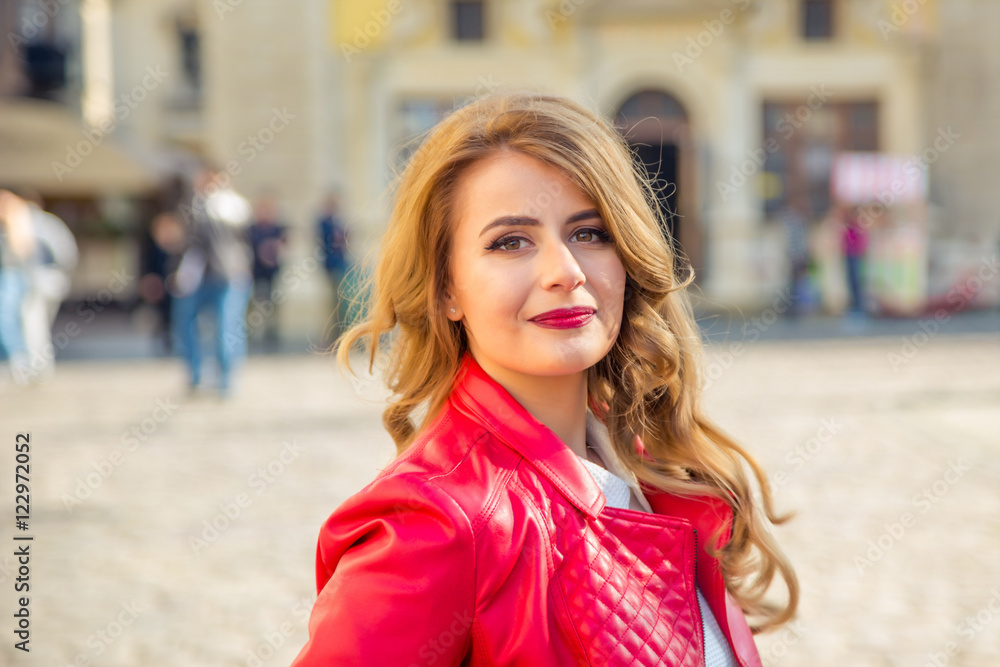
889	195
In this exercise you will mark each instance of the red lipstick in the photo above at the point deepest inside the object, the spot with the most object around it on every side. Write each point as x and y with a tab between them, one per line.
564	318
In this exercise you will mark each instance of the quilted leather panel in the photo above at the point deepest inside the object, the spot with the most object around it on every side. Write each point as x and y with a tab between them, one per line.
607	565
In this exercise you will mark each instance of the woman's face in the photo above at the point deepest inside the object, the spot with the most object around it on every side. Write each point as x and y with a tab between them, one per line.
535	277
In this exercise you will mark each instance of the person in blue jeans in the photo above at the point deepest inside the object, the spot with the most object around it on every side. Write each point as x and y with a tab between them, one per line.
13	287
17	245
214	274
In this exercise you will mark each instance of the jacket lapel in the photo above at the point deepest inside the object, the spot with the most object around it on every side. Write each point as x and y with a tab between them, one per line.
480	397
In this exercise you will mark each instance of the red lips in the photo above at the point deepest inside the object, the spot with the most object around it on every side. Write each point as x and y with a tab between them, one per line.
564	318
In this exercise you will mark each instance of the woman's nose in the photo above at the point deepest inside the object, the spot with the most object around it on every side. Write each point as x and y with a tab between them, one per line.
560	268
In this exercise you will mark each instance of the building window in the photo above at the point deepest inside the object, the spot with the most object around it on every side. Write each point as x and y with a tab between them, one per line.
861	127
415	118
817	19
467	21
189	48
801	142
45	66
190	43
187	87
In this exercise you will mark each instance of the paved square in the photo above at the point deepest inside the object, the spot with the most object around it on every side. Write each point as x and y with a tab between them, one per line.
173	530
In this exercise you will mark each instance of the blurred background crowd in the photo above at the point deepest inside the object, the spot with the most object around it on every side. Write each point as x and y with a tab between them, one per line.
816	157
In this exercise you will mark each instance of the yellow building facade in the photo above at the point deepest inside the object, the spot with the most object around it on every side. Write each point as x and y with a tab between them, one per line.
738	106
690	83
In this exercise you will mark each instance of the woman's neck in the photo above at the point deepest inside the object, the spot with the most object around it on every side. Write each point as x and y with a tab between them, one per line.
559	402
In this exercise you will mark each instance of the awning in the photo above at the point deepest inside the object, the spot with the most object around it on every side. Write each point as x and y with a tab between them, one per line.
45	146
862	178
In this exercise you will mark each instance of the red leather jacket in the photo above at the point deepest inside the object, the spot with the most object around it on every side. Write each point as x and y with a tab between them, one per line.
488	543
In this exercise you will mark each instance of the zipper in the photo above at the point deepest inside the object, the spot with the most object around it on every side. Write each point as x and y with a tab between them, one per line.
697	602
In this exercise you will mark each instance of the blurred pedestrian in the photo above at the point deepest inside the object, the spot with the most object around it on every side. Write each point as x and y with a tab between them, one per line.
333	240
268	238
854	241
163	252
17	247
214	274
795	223
50	274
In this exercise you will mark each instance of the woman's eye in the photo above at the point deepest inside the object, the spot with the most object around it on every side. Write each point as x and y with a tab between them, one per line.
508	243
590	235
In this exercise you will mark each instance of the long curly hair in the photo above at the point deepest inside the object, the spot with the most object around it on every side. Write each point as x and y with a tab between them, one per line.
648	385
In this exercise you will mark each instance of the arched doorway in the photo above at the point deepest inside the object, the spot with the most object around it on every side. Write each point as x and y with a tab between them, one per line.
656	126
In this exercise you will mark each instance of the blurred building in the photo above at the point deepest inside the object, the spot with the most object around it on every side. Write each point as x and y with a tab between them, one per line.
740	104
736	106
60	137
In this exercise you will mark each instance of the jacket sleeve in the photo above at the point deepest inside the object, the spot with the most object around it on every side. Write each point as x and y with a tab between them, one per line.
395	571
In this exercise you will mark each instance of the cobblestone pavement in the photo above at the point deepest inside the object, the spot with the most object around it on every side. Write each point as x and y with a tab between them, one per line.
173	530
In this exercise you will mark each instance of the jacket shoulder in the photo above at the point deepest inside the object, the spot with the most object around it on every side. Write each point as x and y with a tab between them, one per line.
396	560
463	460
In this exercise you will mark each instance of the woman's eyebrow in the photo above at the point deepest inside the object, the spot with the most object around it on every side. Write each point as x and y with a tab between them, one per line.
583	215
525	221
511	221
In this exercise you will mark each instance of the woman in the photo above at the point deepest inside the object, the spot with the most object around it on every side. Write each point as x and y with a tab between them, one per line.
558	497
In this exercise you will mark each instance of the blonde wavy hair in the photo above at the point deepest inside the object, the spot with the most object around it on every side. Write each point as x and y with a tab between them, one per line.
647	387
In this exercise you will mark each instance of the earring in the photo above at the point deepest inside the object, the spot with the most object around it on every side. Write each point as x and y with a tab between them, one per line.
452	310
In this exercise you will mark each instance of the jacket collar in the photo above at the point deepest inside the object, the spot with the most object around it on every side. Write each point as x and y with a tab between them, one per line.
481	397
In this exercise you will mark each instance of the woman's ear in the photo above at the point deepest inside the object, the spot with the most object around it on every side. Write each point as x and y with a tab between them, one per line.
451	308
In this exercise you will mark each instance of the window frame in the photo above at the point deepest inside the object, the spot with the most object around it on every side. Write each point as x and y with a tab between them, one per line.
454	23
794	144
803	28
